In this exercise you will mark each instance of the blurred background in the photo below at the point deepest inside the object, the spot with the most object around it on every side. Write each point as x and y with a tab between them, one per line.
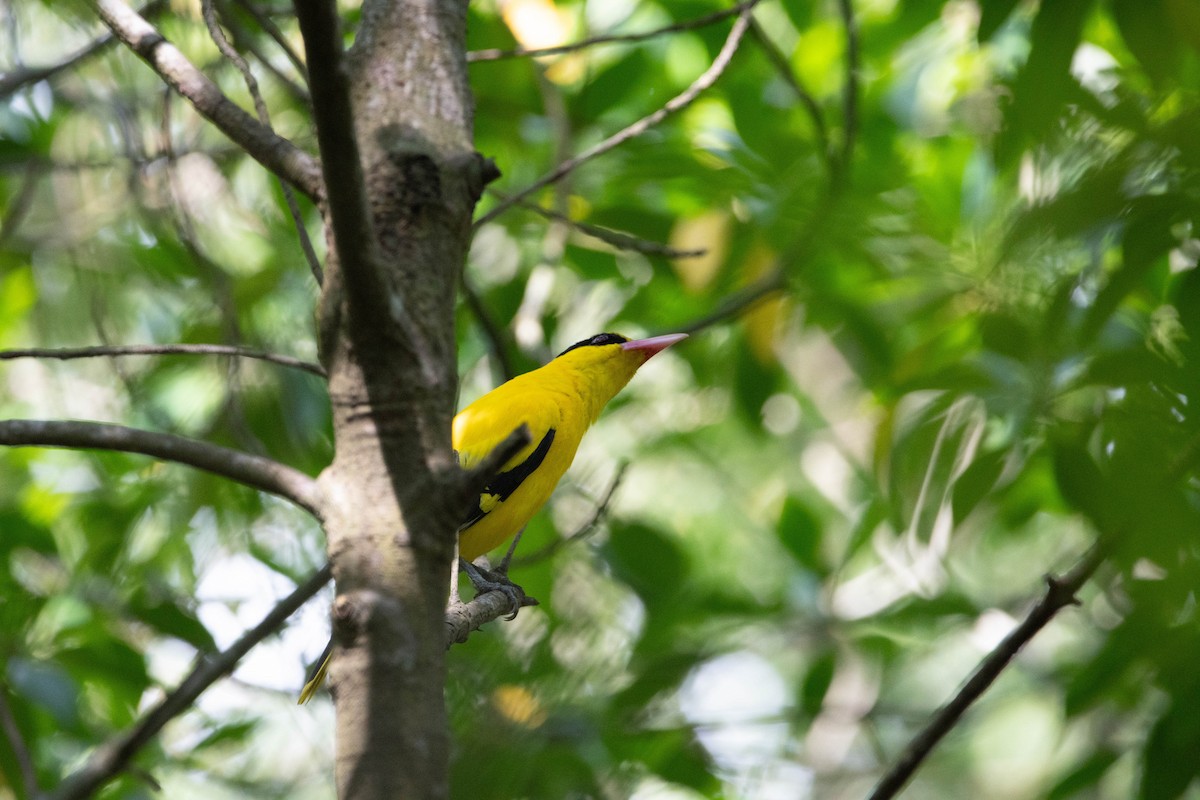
944	324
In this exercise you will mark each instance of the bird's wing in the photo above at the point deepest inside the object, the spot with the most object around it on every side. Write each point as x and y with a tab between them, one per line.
483	425
500	487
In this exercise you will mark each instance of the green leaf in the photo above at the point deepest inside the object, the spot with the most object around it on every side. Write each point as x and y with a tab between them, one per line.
816	683
800	531
1170	764
650	562
1084	776
976	482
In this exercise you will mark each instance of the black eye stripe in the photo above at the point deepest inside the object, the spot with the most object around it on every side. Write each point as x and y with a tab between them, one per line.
598	340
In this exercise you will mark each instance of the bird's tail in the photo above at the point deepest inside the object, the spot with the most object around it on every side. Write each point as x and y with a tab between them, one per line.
317	677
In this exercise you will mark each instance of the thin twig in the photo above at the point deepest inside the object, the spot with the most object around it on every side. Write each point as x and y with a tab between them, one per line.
209	11
274	152
253	471
747	298
1060	593
243	39
618	239
19	205
16	743
268	25
582	532
849	92
492	331
784	68
677	103
110	759
625	38
11	82
353	234
103	351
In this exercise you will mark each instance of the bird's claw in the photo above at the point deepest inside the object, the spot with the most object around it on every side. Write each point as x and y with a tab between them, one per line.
497	580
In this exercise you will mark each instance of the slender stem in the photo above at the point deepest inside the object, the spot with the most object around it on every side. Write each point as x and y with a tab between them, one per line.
272	30
274	152
784	68
350	218
624	38
16	743
849	92
100	351
209	11
491	329
773	282
618	239
582	532
677	103
12	81
113	757
1060	593
253	471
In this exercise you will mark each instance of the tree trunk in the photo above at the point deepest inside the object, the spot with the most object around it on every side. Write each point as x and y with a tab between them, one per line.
391	519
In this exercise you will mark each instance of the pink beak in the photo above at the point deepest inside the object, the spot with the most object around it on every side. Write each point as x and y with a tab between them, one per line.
654	344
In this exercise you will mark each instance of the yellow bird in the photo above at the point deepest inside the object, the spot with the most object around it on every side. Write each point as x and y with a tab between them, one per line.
558	402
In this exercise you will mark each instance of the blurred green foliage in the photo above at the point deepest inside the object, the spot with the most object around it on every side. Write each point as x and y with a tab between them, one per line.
838	499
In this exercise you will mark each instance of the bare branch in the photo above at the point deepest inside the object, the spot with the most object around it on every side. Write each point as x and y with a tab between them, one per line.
353	234
1060	593
463	618
849	92
618	239
112	758
491	329
580	533
747	298
16	743
11	82
274	152
209	12
784	68
253	471
677	103
272	30
625	38
69	353
243	39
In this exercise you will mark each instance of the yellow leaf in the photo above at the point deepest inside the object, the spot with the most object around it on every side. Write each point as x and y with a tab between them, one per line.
518	705
709	232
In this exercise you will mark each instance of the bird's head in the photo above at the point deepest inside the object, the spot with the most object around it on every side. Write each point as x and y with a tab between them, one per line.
604	363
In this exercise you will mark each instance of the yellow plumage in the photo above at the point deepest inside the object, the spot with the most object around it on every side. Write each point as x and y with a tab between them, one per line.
558	402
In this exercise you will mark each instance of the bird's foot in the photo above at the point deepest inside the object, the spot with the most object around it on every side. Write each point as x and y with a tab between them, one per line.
497	580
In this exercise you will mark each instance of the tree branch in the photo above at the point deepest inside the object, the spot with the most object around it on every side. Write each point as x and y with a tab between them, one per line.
209	11
69	353
582	532
274	152
626	38
253	471
268	25
1060	593
618	239
491	329
677	103
13	81
748	297
113	757
464	618
784	68
16	743
849	94
353	232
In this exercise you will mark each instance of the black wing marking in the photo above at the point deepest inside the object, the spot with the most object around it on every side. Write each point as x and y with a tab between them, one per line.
505	483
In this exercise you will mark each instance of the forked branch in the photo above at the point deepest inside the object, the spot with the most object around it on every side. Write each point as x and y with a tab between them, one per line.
675	104
274	152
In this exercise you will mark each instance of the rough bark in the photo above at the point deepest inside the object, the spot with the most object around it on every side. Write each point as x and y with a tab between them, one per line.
387	333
